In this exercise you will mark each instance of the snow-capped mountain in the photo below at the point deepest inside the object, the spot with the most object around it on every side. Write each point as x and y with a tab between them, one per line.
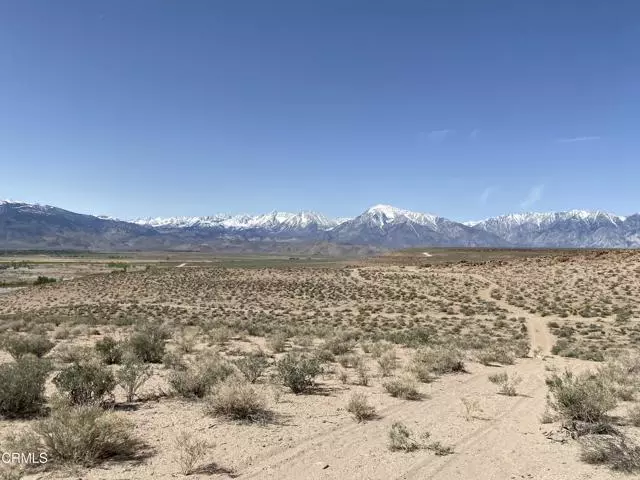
273	222
396	228
382	215
24	225
574	228
181	222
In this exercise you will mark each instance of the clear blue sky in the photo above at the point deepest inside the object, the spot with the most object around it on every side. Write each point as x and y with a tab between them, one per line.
466	109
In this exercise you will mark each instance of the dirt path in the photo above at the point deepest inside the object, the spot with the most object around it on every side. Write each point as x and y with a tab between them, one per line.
541	339
507	441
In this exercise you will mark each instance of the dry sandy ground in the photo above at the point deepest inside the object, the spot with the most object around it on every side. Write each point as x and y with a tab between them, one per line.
313	437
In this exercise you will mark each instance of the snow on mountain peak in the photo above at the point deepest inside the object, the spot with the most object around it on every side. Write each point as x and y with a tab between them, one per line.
272	220
386	213
546	218
24	206
386	210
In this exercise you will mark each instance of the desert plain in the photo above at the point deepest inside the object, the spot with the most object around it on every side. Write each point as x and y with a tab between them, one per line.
439	364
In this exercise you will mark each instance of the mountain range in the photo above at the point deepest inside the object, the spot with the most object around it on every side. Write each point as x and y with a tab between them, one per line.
34	226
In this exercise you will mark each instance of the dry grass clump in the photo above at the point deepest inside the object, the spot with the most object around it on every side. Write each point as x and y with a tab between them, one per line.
360	407
439	448
237	399
404	387
84	435
402	439
471	408
506	383
190	451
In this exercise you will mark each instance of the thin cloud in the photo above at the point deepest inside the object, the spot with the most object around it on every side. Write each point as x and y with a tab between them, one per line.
534	196
474	134
578	139
437	136
486	193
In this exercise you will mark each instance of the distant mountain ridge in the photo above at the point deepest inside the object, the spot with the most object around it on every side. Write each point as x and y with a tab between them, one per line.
574	228
24	225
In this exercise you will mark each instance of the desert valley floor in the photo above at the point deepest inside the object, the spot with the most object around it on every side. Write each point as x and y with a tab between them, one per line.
423	364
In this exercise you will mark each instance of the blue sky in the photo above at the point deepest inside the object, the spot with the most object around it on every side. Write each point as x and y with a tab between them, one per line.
466	109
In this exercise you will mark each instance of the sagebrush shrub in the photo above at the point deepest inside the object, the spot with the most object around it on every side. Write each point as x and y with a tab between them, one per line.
387	362
404	387
441	360
623	373
132	375
197	380
496	354
633	414
339	344
298	372
237	399
148	342
277	342
85	383
584	397
19	345
84	435
174	361
360	407
252	366
22	386
109	350
616	451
